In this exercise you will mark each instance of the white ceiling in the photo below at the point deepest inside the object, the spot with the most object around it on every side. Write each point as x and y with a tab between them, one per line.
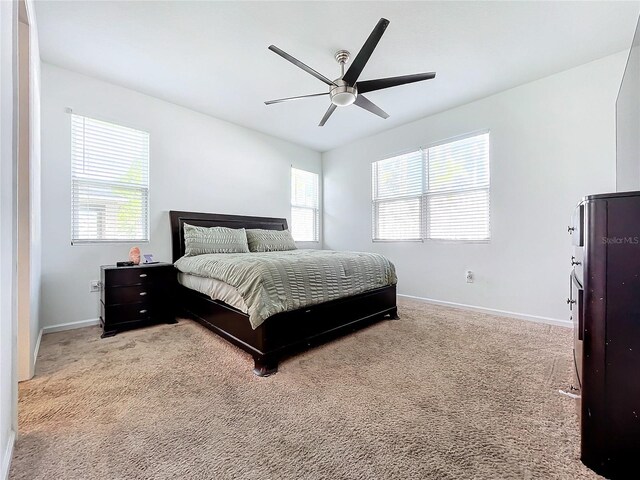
212	56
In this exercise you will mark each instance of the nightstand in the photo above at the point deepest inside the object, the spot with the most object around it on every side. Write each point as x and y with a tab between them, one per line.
136	296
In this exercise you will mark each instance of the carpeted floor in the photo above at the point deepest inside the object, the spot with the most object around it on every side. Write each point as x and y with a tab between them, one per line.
438	394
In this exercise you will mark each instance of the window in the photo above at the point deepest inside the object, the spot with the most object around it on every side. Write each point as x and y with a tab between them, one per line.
110	182
305	213
440	192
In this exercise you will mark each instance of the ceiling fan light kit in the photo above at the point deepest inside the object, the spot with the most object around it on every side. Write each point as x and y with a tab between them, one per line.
346	89
342	94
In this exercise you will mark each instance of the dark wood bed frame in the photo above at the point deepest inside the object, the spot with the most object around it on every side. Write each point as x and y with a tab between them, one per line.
285	333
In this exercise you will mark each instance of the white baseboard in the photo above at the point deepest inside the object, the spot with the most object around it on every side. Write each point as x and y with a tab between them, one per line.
493	311
71	325
37	348
8	454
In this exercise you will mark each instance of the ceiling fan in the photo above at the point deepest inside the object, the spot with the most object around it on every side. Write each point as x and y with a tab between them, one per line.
346	89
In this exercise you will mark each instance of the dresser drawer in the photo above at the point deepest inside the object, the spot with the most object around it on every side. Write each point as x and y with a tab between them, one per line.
134	312
577	262
120	277
576	228
134	294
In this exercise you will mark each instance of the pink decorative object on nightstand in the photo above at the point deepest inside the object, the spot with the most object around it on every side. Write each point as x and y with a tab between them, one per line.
134	255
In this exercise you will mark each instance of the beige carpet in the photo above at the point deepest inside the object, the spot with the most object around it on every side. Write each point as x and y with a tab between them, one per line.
439	394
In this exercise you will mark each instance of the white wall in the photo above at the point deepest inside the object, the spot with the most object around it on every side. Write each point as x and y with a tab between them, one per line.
628	123
35	188
552	141
8	381
198	163
29	240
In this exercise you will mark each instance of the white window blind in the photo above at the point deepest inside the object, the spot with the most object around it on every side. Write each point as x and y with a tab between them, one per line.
110	182
305	211
440	192
397	197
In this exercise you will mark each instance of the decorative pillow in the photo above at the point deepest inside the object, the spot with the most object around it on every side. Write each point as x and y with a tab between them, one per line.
201	240
270	240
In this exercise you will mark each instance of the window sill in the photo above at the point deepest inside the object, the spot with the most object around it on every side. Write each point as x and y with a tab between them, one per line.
400	240
432	240
83	243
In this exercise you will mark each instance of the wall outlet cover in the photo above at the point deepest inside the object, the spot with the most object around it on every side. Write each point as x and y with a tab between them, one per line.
469	276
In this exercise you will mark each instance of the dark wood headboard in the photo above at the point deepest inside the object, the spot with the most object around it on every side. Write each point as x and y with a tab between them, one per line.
178	219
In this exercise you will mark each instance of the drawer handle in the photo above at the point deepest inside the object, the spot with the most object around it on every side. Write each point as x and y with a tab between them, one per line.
142	275
142	294
143	311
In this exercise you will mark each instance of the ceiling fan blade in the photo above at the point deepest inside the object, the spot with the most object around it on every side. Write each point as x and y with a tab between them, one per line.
301	65
365	52
280	100
367	104
332	107
380	83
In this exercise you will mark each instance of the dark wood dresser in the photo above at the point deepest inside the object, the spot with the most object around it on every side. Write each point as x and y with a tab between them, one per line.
136	296
605	308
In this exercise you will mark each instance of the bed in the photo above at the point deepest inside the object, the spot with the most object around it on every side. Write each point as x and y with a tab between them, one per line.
282	334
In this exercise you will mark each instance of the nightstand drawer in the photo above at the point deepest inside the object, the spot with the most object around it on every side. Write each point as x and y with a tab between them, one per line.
133	312
133	294
135	276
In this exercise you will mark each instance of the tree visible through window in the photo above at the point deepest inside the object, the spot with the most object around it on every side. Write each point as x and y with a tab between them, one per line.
440	192
110	182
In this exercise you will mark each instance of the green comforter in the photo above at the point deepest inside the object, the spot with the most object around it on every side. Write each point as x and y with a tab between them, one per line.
274	282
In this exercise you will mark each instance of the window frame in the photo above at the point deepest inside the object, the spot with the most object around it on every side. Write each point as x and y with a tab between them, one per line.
315	210
73	180
425	195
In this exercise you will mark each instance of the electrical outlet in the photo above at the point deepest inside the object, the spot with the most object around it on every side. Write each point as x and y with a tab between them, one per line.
94	285
469	276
